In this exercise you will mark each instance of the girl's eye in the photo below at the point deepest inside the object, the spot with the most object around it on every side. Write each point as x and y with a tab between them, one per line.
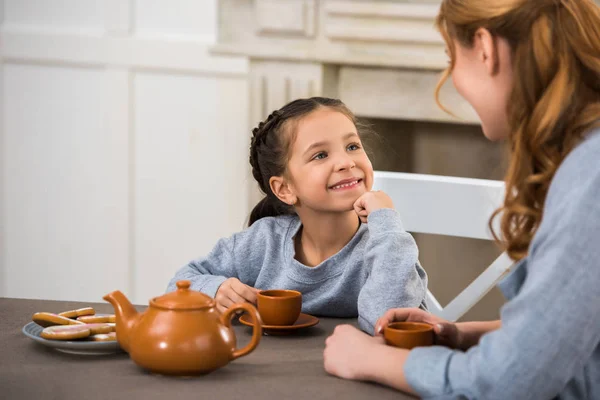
319	156
353	147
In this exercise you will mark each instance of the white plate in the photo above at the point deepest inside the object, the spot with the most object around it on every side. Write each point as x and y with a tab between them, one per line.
33	331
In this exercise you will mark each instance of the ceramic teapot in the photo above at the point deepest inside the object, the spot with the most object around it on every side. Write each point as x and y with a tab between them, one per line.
181	333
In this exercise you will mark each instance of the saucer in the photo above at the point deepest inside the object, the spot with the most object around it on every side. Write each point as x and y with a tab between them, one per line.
303	321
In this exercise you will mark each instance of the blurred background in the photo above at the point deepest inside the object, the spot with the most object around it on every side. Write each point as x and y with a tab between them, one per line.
126	125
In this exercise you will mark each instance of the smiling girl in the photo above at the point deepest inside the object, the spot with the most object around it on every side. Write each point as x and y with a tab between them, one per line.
320	229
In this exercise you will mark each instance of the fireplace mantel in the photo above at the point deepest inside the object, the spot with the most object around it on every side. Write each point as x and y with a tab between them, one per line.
382	58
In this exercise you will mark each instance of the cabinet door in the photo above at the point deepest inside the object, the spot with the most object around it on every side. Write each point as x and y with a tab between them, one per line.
65	233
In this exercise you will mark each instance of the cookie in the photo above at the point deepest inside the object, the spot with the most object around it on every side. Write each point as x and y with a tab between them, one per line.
96	329
103	337
78	313
95	319
46	319
65	332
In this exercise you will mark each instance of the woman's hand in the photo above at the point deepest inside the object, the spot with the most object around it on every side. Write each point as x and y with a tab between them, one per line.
371	201
345	352
352	354
446	333
232	291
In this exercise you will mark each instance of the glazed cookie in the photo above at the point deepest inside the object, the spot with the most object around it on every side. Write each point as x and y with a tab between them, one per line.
103	337
46	319
78	313
95	319
66	332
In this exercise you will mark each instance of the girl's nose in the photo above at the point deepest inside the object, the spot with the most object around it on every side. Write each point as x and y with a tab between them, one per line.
344	162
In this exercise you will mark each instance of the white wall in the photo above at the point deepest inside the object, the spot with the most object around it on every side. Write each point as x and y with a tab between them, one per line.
123	145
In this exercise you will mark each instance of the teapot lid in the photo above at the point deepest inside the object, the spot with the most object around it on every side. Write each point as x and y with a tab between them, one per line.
183	298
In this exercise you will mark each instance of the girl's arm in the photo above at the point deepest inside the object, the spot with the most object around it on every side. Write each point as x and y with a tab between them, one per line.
239	256
396	278
208	273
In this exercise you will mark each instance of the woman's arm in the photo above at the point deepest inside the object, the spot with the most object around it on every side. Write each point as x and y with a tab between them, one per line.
462	335
550	329
384	366
352	354
469	333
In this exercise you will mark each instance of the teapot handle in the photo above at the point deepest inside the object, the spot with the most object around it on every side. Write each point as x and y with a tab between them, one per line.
256	329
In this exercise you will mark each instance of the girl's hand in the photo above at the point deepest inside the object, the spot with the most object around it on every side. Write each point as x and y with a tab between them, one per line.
345	351
232	291
371	201
446	333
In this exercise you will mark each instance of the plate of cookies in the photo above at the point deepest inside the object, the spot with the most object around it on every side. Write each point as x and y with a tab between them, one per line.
80	331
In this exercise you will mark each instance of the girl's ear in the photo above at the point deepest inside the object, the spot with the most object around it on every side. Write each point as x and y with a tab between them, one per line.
487	50
281	188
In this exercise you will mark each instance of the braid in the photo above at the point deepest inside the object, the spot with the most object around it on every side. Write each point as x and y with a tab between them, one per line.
259	139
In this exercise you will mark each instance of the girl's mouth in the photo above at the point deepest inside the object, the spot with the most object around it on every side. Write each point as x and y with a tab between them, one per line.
347	185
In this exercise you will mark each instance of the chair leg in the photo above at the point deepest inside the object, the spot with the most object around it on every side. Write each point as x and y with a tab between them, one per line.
477	289
433	305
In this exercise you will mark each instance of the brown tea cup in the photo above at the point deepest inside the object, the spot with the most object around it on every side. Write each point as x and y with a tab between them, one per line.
408	335
279	307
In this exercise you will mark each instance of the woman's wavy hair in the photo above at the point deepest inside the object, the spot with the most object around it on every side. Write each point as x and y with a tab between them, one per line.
554	100
271	145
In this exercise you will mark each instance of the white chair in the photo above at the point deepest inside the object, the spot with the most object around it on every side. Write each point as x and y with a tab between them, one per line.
449	206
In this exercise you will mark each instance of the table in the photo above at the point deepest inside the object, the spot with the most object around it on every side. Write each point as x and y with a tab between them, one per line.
282	367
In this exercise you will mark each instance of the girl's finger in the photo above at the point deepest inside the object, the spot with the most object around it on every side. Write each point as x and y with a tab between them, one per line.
359	205
221	308
246	292
225	301
235	298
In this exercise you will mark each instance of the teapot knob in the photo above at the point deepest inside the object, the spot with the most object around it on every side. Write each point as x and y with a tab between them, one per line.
185	284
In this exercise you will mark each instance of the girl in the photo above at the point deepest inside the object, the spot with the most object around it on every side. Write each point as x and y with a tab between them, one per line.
531	70
306	234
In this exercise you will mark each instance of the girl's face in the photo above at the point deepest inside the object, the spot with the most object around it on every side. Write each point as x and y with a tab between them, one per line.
328	169
482	75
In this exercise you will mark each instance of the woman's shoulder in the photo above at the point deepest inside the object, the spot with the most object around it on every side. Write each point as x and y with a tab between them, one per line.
579	173
587	149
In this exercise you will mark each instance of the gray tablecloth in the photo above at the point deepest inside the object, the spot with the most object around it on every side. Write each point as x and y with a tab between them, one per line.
289	367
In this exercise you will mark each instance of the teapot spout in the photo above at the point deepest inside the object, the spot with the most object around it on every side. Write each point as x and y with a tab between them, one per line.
125	315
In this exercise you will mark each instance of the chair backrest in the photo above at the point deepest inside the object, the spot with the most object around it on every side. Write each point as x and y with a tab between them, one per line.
449	206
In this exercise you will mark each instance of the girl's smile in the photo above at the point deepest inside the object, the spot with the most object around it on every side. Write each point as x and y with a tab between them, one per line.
347	184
